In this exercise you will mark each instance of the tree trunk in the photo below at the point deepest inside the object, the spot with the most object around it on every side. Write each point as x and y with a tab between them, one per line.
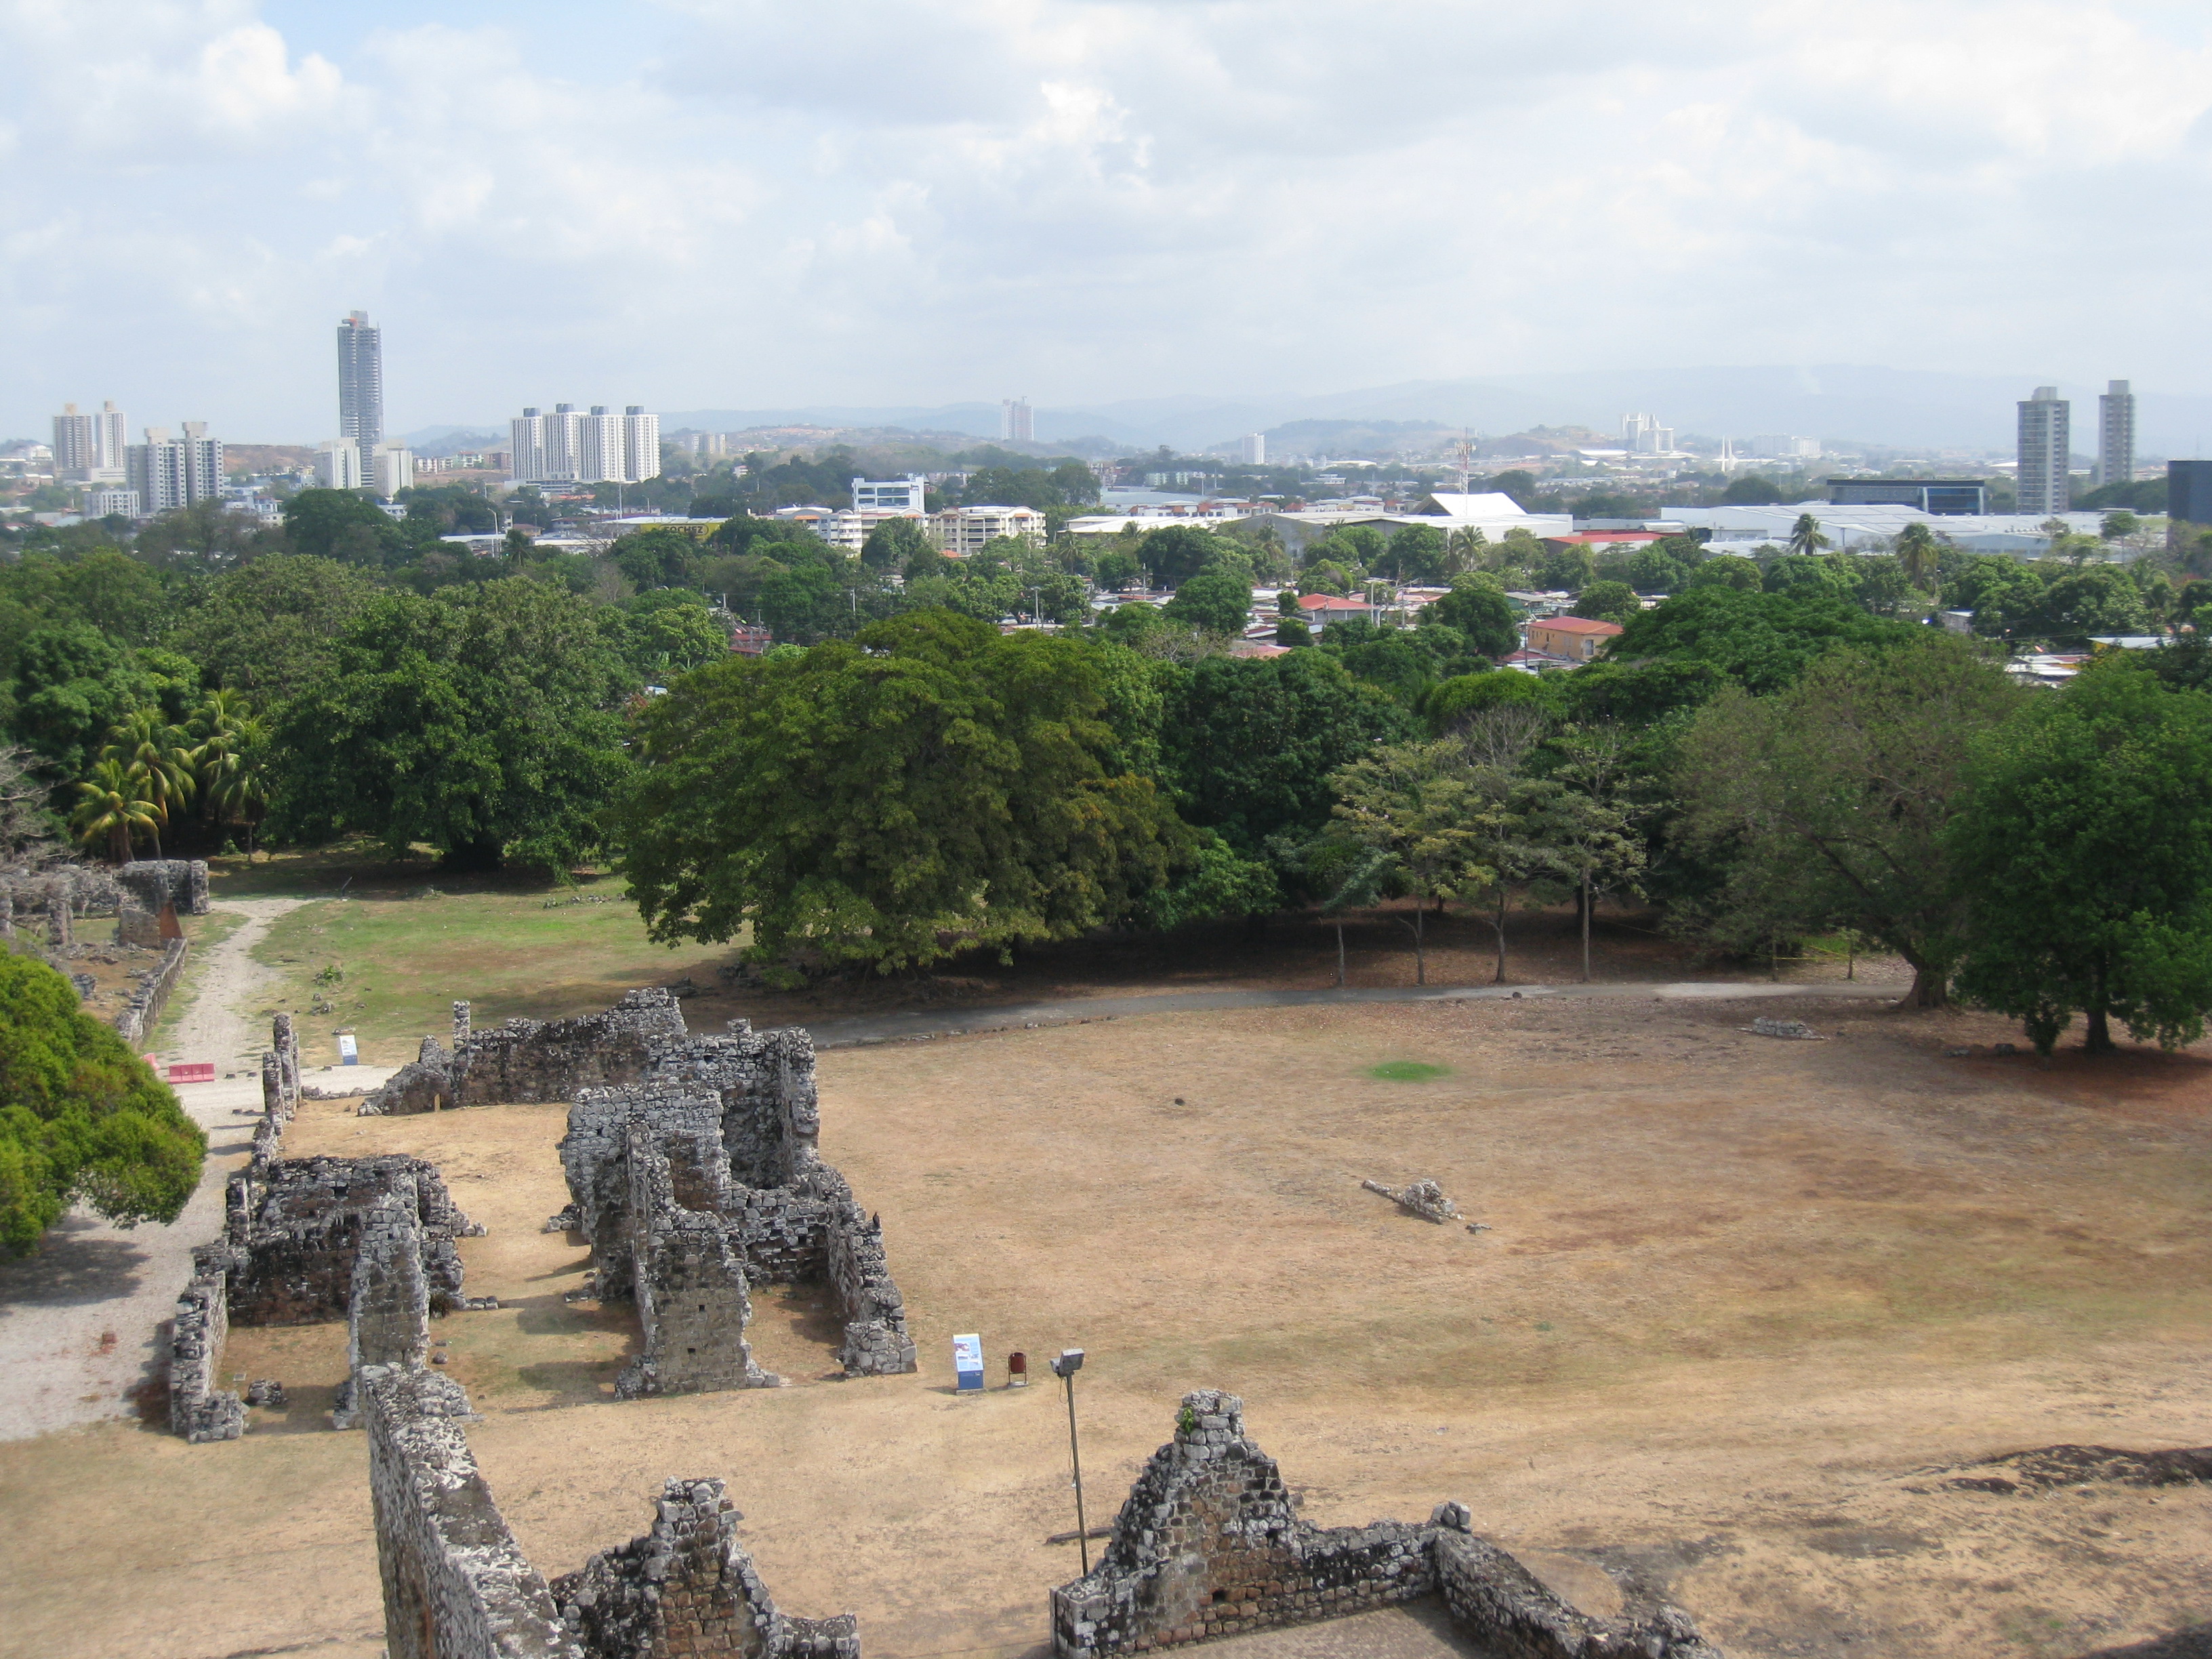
1420	962
118	845
1340	955
1586	922
1931	989
481	854
1500	925
2098	1040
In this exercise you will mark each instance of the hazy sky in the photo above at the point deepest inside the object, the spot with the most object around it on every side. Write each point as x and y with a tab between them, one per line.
729	203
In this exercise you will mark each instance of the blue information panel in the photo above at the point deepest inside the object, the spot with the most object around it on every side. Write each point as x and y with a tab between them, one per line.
967	1363
348	1050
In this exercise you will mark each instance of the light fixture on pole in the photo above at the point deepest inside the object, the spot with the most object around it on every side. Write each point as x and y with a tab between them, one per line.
1065	1368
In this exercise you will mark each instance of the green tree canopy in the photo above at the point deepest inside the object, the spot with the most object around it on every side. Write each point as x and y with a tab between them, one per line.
659	555
1830	799
483	721
338	524
893	543
1762	641
2082	857
81	1116
1216	600
1727	570
928	788
1478	608
1608	602
271	626
1178	552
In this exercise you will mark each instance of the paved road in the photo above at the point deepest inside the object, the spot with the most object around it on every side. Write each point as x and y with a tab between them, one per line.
77	1319
939	1022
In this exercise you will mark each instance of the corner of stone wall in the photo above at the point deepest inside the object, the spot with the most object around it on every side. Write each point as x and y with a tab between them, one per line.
198	1410
151	995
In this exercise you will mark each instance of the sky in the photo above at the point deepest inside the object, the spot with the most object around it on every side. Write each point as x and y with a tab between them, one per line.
732	203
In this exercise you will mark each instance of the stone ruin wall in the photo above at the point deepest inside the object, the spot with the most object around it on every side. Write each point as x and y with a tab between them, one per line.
367	1239
724	1189
1209	1545
456	1585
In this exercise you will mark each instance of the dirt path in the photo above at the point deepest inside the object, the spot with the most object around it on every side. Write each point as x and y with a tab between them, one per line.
77	1320
926	1022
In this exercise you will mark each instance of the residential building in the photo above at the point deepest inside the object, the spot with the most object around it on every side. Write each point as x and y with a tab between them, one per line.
1642	435
100	503
2046	448
1015	420
89	448
1781	447
1252	449
172	472
361	383
337	465
566	447
395	469
849	529
2189	492
905	495
1576	638
1933	495
960	530
2116	435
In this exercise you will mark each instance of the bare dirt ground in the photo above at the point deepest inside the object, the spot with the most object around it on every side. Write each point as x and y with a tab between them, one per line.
77	1320
1747	1309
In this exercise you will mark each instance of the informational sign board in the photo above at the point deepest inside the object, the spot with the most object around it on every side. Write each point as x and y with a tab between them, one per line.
348	1051
967	1363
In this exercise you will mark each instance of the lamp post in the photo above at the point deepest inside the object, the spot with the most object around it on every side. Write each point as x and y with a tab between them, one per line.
1065	1368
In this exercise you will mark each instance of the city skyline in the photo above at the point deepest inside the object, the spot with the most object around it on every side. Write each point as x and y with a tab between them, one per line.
1787	189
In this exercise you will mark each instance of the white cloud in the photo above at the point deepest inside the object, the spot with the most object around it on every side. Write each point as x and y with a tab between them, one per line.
1089	199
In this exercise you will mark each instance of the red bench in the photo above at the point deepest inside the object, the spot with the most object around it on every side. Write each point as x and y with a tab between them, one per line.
192	1070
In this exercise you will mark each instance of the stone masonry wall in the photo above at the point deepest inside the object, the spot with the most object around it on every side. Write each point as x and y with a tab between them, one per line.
689	1587
151	994
198	1410
1209	1545
456	1585
388	1317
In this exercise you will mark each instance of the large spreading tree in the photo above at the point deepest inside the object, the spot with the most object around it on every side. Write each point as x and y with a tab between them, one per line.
929	787
1830	803
483	721
81	1116
2082	861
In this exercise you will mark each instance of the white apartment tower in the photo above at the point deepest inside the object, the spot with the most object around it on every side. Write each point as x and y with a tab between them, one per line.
2045	447
171	472
90	448
1642	435
338	465
1016	421
569	447
1252	448
361	383
2116	434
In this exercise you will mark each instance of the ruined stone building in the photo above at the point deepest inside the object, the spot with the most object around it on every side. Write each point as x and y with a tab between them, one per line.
367	1239
694	1174
1209	1544
457	1586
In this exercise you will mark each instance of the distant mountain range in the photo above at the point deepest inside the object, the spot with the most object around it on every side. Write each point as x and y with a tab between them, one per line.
1839	403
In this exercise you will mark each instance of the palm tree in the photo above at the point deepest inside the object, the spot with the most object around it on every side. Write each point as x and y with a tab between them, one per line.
228	761
1917	550
1805	536
112	806
159	756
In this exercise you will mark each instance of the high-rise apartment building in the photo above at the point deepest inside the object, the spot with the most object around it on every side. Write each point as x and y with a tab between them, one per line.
907	494
1252	449
361	383
89	448
338	465
2046	447
393	469
1015	420
2116	434
569	447
2189	492
1642	435
172	472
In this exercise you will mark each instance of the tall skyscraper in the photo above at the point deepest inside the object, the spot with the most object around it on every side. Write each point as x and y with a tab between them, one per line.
2045	447
361	383
600	445
2116	434
171	472
640	443
1015	420
2189	492
89	448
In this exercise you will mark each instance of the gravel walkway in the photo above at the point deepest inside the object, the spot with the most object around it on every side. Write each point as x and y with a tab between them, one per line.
78	1319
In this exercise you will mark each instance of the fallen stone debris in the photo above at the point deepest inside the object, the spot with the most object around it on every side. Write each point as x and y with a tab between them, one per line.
1784	1028
1209	1544
1423	1198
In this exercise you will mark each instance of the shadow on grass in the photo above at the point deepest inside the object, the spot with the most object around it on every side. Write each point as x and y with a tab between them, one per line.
365	869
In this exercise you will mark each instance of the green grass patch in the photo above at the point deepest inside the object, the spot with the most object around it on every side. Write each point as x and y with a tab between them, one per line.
1407	1071
390	967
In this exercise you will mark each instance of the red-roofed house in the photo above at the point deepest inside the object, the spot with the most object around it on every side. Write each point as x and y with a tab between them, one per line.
1598	540
1574	637
1328	608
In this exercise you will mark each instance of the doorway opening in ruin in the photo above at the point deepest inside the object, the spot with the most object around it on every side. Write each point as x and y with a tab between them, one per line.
797	1331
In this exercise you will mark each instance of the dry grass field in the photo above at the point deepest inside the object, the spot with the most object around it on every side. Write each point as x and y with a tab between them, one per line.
1744	1307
